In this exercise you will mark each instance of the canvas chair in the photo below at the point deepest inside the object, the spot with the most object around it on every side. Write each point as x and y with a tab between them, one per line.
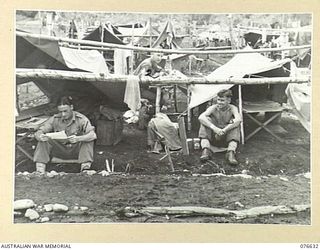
248	109
162	141
265	106
183	137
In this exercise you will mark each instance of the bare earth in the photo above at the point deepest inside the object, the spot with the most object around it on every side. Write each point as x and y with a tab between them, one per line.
276	169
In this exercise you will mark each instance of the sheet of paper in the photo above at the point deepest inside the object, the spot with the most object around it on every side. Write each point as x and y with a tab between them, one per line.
58	135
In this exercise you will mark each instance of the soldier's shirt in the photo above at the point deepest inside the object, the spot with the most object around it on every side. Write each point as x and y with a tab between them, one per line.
78	125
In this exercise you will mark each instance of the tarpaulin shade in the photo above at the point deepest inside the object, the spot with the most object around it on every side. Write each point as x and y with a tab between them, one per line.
240	66
299	96
38	53
88	60
41	53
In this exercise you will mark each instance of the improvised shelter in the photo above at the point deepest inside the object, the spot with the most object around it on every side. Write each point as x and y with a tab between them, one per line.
246	65
47	54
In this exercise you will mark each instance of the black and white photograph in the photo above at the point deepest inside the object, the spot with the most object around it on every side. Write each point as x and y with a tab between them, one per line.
146	117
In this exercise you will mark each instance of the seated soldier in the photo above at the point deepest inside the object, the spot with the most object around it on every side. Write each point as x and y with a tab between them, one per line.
150	66
79	143
219	125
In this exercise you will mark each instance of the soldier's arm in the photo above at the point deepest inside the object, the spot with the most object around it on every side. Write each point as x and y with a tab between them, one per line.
235	122
205	120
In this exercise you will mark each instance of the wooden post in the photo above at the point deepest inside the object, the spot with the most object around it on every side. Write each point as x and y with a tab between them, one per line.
183	136
240	112
175	98
158	99
188	109
231	32
102	34
17	100
150	33
132	58
41	22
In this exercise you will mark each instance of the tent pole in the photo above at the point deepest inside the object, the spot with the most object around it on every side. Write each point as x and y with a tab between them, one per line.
231	33
175	98
158	99
132	58
87	76
102	34
189	110
150	33
190	64
240	112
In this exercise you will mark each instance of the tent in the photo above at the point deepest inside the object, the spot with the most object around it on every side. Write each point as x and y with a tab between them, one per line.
167	38
137	31
240	66
102	33
132	29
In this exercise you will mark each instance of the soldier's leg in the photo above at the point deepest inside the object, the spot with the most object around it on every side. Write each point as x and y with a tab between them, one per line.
86	155
42	152
233	138
205	134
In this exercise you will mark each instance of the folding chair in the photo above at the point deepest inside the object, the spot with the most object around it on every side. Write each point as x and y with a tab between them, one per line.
163	143
265	106
28	129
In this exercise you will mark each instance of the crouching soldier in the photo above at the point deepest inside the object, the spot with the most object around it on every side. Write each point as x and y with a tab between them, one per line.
78	144
219	126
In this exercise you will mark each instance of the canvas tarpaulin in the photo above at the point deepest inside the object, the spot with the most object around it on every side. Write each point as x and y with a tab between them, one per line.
129	31
38	53
299	97
239	66
120	58
88	60
44	53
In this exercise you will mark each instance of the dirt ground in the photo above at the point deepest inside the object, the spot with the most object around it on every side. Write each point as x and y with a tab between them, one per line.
276	170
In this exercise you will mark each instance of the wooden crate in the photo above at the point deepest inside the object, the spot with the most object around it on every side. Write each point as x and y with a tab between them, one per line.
109	132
